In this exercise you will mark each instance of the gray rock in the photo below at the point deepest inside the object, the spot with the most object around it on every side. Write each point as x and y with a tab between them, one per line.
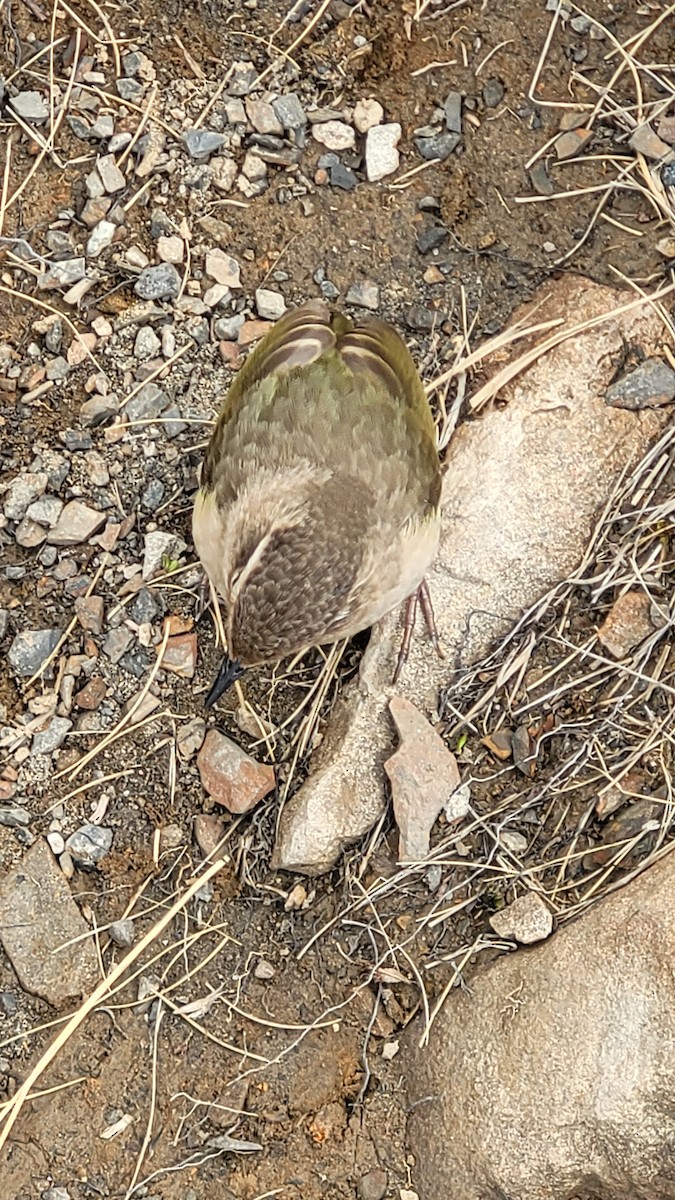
123	933
147	344
152	494
202	143
22	491
147	404
63	273
225	172
561	464
89	844
342	177
112	178
290	111
528	919
144	608
117	643
77	523
452	109
493	93
54	336
44	935
130	89
58	369
648	386
270	305
46	510
14	816
440	146
30	106
100	238
52	737
98	409
644	141
103	128
253	167
364	295
334	135
4	622
430	239
244	75
172	421
30	648
158	283
227	328
158	546
29	534
567	1053
382	156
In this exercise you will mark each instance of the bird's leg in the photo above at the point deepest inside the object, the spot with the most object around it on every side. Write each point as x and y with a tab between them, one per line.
203	598
423	596
408	626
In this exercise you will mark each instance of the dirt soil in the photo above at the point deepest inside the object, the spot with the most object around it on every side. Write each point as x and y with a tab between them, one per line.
317	999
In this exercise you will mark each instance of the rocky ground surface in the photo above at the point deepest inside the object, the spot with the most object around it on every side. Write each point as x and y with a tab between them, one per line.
172	181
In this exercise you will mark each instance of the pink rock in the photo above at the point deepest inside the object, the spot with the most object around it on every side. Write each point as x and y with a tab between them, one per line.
626	624
423	774
231	777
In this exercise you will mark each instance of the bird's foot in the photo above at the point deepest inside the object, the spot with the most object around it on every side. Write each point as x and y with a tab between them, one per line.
423	597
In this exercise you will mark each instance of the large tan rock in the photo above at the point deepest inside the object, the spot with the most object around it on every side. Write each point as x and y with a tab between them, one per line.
522	489
553	1076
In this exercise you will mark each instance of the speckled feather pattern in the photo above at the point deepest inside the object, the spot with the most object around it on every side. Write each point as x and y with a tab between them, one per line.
321	469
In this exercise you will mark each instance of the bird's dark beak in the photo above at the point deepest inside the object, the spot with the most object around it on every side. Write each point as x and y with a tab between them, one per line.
230	670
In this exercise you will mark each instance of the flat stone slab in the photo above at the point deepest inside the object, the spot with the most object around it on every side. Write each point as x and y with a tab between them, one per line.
38	918
552	1075
522	488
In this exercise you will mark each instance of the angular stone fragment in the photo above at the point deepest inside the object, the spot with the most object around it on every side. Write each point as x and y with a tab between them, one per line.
231	776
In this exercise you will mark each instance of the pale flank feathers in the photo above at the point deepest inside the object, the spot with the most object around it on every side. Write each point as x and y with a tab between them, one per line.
318	510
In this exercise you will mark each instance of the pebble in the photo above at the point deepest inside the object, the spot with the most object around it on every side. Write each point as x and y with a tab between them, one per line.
224	173
541	180
77	523
58	369
89	611
335	135
643	140
92	695
4	622
209	831
152	494
98	409
263	969
130	89
148	403
452	111
122	933
290	111
52	737
270	305
423	774
30	648
15	817
253	167
146	344
30	106
29	534
364	295
54	336
180	655
158	283
89	844
55	842
431	239
643	817
170	249
493	93
43	932
342	177
251	331
372	1186
144	608
382	156
438	146
112	178
202	143
190	737
117	643
668	175
22	492
227	328
263	118
231	776
223	268
528	919
648	386
627	624
367	113
158	546
63	273
100	238
571	143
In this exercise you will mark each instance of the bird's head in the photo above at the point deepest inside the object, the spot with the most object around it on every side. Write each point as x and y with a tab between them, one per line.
293	555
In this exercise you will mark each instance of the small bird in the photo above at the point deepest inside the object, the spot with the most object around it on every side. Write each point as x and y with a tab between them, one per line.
318	510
